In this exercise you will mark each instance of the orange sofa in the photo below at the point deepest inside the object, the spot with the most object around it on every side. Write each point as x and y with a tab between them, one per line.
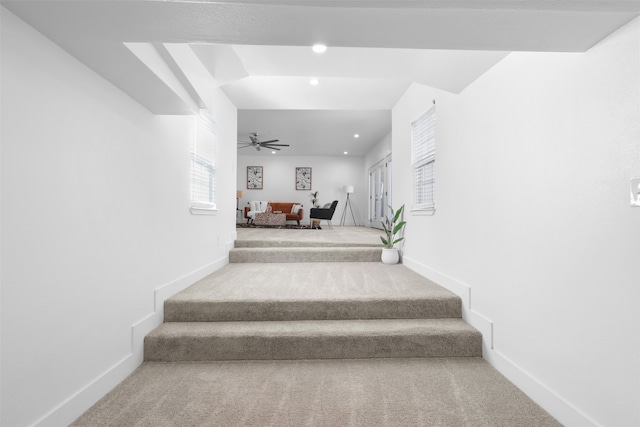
284	207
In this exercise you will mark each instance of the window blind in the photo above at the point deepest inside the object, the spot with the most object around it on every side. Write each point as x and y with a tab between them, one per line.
203	162
423	158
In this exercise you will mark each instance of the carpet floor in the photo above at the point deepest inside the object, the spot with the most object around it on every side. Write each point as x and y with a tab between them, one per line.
296	304
311	291
328	236
334	244
374	392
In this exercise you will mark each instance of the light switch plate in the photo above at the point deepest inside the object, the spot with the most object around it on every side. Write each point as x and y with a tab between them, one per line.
635	192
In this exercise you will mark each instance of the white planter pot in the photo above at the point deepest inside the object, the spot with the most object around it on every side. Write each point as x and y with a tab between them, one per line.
390	256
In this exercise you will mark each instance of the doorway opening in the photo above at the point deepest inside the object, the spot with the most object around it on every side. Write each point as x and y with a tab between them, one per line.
379	191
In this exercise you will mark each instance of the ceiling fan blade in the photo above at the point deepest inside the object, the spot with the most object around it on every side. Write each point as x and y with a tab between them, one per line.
255	142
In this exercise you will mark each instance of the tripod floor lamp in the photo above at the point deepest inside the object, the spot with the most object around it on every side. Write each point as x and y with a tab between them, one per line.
238	197
348	189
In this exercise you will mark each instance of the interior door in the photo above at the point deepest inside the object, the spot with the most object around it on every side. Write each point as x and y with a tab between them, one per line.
379	191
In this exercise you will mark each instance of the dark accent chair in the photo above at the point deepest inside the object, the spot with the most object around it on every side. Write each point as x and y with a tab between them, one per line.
325	212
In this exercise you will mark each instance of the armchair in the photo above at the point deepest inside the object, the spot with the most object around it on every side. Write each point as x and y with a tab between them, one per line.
325	212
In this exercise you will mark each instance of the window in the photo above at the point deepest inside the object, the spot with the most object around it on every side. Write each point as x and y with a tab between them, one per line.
203	164
423	159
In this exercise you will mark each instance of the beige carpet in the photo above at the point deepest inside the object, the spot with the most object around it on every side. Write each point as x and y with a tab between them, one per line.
348	334
335	244
445	392
326	236
289	311
311	291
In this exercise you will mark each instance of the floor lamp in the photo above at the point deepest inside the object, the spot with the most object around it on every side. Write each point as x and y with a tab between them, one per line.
238	197
348	189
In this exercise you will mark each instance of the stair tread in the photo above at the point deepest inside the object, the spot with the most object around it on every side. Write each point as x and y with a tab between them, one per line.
217	310
354	281
356	290
368	327
307	299
305	254
297	244
323	339
309	248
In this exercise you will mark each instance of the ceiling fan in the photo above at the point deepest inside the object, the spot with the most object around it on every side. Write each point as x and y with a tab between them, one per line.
257	144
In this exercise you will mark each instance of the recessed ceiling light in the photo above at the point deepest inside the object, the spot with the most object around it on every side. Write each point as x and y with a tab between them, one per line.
346	152
357	135
314	81
319	48
273	152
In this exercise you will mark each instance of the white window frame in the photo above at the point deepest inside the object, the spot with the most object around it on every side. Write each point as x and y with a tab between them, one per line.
203	154
423	161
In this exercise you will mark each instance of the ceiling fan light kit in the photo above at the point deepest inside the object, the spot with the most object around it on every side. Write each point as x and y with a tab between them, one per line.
258	145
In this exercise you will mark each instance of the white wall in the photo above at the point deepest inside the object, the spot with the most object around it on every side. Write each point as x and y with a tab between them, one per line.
329	175
381	150
533	225
96	229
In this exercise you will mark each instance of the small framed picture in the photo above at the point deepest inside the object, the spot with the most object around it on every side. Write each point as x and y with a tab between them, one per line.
303	178
254	178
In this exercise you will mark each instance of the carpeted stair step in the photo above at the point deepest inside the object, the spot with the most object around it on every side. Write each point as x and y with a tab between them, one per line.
440	306
326	339
297	244
305	254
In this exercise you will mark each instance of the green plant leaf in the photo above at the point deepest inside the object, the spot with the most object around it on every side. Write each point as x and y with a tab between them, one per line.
398	227
398	240
397	214
392	227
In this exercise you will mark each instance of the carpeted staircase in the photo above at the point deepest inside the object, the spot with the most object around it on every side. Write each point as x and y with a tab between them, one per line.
351	344
284	302
291	251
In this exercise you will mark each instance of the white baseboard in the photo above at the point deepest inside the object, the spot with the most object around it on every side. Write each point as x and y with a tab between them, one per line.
554	404
69	410
461	289
562	410
231	244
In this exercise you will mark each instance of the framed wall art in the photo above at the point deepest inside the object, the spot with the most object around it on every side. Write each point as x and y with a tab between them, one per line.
254	178
303	178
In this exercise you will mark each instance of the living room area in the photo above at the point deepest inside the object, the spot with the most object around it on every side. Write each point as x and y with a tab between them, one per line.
279	185
284	180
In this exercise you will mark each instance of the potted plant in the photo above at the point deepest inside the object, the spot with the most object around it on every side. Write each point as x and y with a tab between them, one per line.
315	223
392	227
314	199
